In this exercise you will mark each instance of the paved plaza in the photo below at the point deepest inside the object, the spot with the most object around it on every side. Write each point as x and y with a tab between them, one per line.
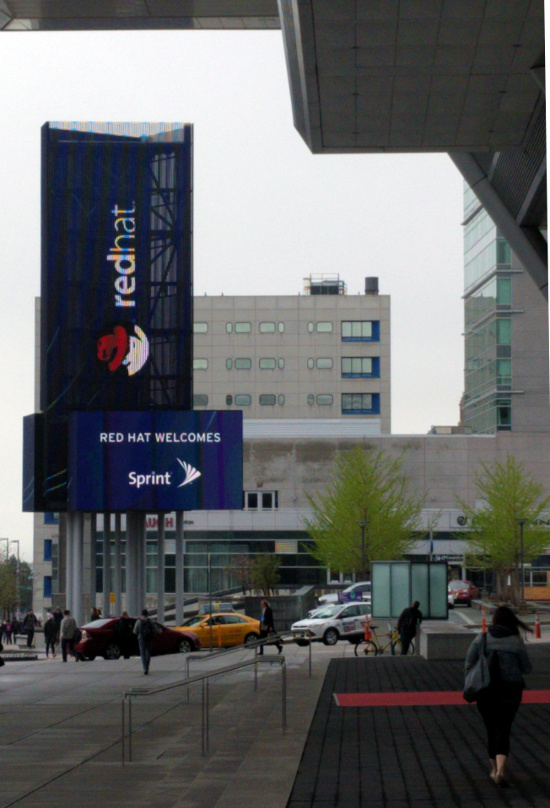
60	736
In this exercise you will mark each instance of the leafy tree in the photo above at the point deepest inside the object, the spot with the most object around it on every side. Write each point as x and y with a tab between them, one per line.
509	493
264	572
8	586
239	569
368	494
8	596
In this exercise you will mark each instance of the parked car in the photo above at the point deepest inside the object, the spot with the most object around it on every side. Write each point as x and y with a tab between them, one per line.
100	638
358	591
223	629
332	623
463	592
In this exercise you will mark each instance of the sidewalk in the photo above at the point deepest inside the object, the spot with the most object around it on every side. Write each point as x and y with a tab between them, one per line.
60	727
60	737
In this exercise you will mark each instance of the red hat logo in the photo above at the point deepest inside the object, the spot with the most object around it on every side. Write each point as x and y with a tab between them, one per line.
120	348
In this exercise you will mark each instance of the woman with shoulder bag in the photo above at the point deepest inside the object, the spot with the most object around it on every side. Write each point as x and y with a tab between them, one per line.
499	702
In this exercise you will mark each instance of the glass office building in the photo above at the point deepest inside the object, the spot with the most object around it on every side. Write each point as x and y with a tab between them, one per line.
489	323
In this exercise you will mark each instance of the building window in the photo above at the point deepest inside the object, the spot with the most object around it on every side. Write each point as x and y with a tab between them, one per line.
229	327
324	363
200	328
267	328
360	403
47	586
324	400
280	399
281	363
360	330
243	328
311	363
360	366
250	500
281	328
535	577
324	328
504	291
311	400
504	331
200	400
243	400
200	364
261	500
504	415
48	549
268	399
228	364
504	372
267	364
229	400
243	363
310	328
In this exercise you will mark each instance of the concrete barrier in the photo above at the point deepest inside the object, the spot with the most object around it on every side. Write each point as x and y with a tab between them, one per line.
448	642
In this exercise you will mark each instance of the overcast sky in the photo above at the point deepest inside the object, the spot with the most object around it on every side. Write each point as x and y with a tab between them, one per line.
267	213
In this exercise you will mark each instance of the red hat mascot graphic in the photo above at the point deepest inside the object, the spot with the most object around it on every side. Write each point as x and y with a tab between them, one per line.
121	348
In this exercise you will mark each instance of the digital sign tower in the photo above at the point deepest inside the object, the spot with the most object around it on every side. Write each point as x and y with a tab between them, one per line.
116	432
116	288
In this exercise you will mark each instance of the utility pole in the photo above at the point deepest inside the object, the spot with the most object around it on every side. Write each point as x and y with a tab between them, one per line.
363	525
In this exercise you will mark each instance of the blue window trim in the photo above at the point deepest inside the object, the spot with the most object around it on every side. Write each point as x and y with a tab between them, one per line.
47	586
375	409
374	375
48	549
375	333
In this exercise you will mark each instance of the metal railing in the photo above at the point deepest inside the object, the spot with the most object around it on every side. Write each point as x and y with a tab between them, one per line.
251	646
128	695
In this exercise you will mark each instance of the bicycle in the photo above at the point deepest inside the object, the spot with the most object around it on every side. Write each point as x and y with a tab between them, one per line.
375	646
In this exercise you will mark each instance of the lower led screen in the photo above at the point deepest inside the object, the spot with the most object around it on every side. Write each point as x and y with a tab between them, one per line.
155	461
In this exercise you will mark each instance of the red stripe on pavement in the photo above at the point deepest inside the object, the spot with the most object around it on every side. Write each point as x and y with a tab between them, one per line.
423	698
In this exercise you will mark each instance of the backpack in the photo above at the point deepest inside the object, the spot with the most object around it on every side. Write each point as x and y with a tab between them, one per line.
147	631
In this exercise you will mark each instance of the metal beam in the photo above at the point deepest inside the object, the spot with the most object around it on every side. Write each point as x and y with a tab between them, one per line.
527	243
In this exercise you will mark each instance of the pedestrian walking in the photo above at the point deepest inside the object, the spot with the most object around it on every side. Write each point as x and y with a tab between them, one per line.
125	636
67	631
29	626
145	630
50	635
498	704
409	619
267	626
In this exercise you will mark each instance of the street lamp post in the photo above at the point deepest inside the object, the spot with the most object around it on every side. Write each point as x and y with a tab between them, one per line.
521	522
17	578
363	524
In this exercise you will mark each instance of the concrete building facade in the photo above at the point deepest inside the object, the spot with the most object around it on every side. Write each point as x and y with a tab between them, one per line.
308	356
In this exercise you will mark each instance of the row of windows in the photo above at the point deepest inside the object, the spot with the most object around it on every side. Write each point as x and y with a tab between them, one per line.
351	403
260	500
352	330
352	366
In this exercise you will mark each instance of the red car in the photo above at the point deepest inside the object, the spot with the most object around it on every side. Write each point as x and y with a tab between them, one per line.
101	638
463	592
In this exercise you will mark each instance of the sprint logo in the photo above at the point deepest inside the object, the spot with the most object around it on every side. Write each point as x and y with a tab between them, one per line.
190	473
155	479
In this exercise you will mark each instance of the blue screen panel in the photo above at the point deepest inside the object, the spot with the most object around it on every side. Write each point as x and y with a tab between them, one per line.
155	461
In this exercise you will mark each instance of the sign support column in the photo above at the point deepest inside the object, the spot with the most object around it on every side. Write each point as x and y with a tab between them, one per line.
160	565
179	568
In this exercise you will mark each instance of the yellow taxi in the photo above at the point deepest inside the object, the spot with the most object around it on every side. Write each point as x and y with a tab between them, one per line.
222	629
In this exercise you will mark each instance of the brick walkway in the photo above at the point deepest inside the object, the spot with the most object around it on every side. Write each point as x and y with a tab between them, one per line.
417	756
